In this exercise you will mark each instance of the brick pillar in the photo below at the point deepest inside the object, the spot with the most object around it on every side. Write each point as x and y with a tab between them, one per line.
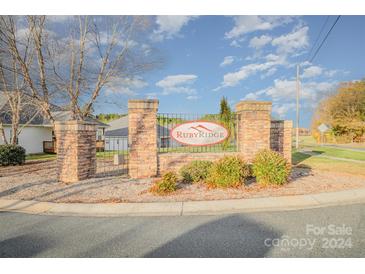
281	137
76	150
142	136
253	127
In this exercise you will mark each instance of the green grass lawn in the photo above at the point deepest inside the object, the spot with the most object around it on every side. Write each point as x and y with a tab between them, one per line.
298	157
40	156
309	143
48	156
304	160
110	153
339	152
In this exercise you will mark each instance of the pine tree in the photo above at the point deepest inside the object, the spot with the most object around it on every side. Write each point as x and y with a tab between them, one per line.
225	116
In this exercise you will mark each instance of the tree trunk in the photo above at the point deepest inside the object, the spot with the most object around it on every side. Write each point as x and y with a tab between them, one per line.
14	134
2	132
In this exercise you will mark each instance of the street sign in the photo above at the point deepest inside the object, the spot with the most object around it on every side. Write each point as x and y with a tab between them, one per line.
323	128
199	133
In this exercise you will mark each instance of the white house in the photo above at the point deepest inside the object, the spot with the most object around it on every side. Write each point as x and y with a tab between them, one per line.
39	129
116	135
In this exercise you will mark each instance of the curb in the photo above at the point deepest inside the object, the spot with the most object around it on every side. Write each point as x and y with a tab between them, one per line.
282	203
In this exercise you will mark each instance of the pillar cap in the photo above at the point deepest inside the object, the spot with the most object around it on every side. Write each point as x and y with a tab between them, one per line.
282	123
144	104
253	105
75	125
75	122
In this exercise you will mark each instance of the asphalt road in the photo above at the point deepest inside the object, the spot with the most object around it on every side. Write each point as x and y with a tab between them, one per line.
324	232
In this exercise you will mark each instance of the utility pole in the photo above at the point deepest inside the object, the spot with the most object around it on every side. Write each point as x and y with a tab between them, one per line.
297	129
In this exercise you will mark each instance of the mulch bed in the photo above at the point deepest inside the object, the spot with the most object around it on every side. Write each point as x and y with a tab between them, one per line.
36	180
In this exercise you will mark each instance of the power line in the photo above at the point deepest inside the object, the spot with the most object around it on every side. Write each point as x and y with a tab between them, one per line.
325	38
319	35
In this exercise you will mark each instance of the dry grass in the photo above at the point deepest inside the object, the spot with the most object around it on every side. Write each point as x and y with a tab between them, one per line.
38	181
337	166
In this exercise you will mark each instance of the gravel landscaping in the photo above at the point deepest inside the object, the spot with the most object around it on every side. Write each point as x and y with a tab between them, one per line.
37	181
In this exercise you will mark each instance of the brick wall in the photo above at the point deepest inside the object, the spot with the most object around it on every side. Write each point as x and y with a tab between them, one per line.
255	131
253	127
281	137
142	138
76	150
174	161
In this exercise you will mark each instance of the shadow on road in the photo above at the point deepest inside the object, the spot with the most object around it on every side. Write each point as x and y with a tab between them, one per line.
227	237
24	246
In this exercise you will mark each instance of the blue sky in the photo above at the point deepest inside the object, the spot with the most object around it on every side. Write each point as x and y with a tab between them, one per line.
246	58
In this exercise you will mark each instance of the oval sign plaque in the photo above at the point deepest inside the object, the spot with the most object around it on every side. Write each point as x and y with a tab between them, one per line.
199	133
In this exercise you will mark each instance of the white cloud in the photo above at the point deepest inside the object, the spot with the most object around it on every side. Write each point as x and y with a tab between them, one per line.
305	64
295	40
128	86
282	89
292	44
259	42
283	94
151	95
180	83
269	72
250	23
282	109
251	96
312	71
227	61
192	97
232	79
23	34
331	73
169	26
272	57
105	39
285	90
146	49
235	44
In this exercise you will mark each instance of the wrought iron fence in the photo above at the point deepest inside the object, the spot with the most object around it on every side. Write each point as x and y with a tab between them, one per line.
167	121
112	155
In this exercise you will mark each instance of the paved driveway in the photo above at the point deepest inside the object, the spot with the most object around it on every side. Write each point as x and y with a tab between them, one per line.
274	234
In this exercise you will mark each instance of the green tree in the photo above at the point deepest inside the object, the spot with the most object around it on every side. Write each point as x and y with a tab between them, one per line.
226	118
107	117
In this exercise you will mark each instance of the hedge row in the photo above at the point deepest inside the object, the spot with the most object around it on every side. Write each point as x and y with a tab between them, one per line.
269	167
11	155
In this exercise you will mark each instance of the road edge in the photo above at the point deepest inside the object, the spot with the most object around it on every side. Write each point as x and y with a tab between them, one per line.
215	207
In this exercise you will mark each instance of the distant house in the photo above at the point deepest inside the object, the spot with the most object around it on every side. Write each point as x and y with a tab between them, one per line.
38	135
116	135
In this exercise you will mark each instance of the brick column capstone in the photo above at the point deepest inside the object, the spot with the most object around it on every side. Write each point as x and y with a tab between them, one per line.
76	150
253	127
142	137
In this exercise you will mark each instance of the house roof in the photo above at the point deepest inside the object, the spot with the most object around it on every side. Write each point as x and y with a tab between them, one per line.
119	127
66	115
119	123
30	109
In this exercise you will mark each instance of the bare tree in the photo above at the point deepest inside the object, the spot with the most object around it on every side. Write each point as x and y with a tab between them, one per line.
97	53
72	63
12	82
